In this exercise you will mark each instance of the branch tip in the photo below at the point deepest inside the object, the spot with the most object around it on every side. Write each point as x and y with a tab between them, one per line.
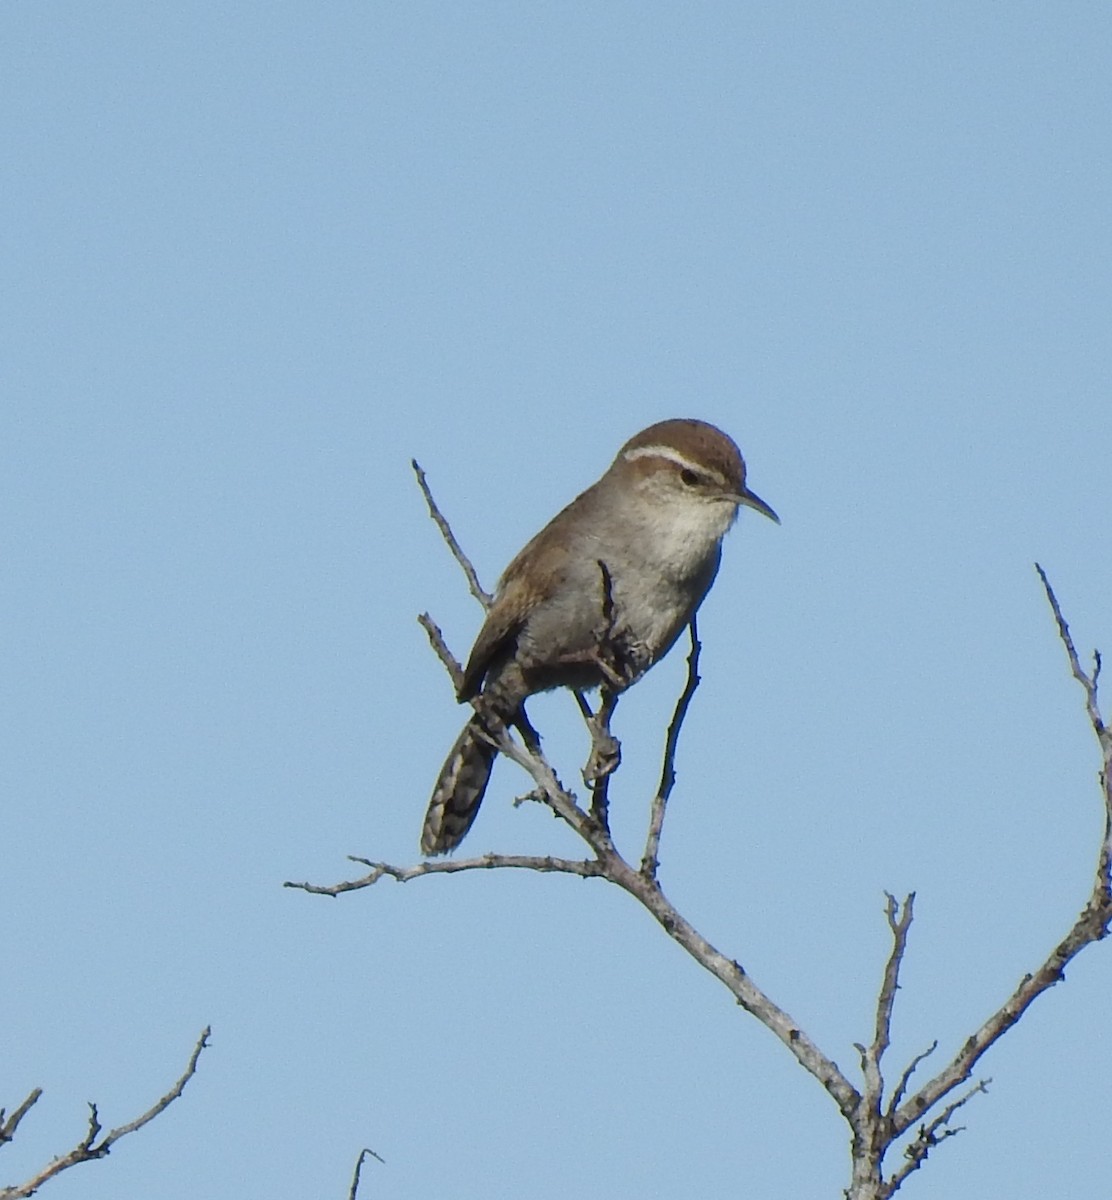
476	588
88	1148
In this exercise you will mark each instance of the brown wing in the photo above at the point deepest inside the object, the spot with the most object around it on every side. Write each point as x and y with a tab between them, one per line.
495	640
534	574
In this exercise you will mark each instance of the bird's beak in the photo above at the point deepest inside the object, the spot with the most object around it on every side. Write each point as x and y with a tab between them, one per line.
752	500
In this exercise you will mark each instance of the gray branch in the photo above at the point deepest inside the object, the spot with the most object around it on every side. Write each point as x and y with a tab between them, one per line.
9	1125
354	1189
451	866
477	589
89	1147
1091	925
650	861
878	1117
931	1135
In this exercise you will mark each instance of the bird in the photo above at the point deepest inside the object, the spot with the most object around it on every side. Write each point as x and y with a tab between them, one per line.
597	597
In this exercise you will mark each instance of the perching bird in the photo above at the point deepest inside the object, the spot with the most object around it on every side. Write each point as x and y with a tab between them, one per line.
598	596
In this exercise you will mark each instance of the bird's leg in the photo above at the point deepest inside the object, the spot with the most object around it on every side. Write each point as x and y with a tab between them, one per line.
606	750
604	759
524	726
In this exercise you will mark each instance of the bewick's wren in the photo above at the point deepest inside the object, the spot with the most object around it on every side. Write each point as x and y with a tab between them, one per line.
598	596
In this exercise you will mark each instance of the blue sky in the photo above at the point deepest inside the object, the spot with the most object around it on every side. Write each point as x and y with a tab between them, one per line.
259	256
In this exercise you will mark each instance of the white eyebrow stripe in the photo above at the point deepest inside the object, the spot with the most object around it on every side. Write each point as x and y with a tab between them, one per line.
671	454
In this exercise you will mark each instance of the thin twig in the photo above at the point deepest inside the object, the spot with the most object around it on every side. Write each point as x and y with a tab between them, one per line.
931	1135
872	1128
905	1078
359	1169
650	859
452	866
609	864
440	647
875	1128
899	921
477	589
728	971
89	1148
1091	925
550	788
1089	684
555	795
1104	739
8	1125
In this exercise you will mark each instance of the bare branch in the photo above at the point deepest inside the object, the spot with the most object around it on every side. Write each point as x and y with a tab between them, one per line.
1104	740
160	1105
876	1123
477	590
556	796
1091	925
9	1125
650	859
440	647
450	866
551	791
88	1148
871	1125
609	864
931	1135
359	1170
905	1078
899	921
731	973
1089	684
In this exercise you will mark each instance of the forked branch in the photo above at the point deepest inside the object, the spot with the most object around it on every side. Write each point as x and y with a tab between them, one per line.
92	1146
878	1117
1092	923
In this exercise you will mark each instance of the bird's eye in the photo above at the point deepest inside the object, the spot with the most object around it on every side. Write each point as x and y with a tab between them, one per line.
690	478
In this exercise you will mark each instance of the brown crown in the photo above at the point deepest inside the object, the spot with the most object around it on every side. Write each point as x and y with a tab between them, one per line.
699	441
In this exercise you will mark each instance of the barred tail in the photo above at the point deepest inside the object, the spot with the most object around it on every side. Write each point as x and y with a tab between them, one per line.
459	791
